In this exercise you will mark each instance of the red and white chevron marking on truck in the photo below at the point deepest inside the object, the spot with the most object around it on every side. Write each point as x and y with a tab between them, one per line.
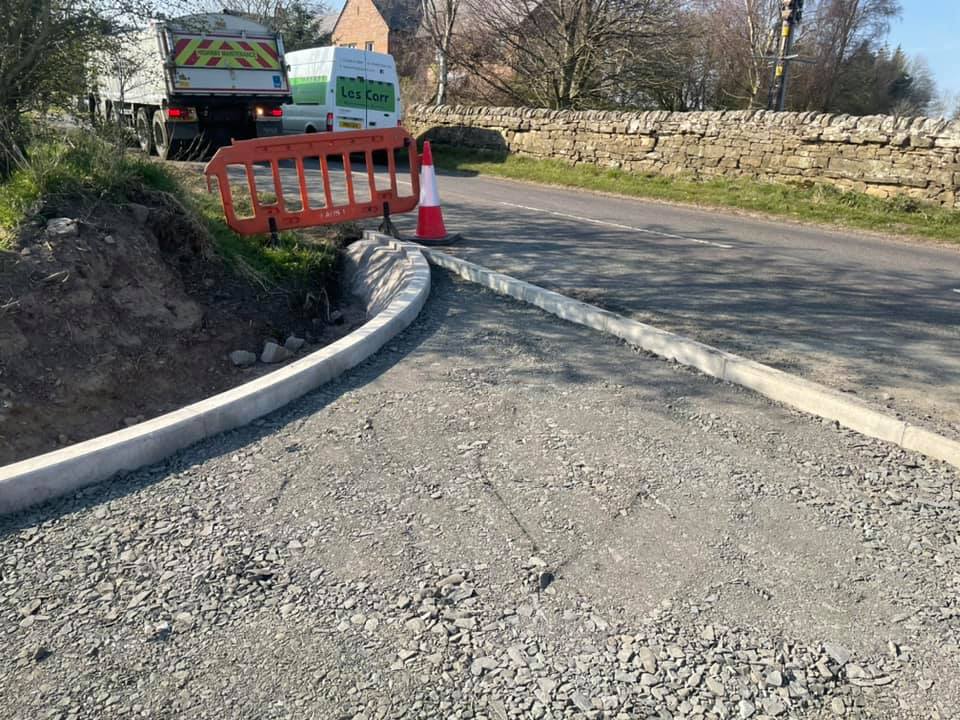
226	52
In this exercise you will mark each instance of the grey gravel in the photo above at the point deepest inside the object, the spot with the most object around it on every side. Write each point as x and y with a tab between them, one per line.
374	551
837	653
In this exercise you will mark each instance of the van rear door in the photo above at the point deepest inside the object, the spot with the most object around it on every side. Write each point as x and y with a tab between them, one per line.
351	90
381	90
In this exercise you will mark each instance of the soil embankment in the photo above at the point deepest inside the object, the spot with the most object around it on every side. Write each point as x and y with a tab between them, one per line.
110	315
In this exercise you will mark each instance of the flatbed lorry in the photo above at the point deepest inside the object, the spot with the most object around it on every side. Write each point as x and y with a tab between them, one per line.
193	83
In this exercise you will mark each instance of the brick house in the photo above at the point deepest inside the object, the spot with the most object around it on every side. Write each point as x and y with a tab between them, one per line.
383	26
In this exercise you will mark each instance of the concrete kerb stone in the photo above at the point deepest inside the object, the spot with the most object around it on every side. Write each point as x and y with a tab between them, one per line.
45	477
775	384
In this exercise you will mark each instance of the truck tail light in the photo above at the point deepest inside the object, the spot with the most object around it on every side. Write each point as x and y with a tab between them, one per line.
182	114
330	122
268	113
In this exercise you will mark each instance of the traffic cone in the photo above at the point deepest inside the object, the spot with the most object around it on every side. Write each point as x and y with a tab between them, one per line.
430	227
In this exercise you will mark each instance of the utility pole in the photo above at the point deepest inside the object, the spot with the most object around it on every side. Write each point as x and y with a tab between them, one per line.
791	12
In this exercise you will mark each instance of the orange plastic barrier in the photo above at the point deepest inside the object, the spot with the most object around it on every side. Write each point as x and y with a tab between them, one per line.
277	174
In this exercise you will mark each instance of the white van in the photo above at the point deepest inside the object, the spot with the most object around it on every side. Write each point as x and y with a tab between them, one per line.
337	88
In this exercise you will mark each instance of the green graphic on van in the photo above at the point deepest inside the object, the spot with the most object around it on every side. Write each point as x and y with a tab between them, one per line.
309	90
366	94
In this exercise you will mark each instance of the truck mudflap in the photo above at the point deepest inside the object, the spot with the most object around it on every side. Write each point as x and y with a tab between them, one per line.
183	131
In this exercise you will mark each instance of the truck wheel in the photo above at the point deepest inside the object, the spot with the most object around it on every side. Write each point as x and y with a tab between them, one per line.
167	148
144	131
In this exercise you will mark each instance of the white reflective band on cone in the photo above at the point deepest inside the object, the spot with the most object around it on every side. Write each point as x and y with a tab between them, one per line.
428	187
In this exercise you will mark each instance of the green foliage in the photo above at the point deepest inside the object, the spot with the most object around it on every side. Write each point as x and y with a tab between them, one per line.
877	81
297	23
806	202
84	164
295	265
44	52
69	164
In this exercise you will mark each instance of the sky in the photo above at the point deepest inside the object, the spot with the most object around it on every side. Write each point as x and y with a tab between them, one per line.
926	27
929	28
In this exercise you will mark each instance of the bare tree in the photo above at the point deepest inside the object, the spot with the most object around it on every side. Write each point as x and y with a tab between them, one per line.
440	19
567	53
835	30
740	41
44	51
258	10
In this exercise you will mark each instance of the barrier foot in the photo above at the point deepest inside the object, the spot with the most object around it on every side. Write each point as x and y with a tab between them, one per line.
386	226
274	235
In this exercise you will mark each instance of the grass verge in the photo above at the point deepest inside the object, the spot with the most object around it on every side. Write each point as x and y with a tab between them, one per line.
297	264
80	163
72	164
806	202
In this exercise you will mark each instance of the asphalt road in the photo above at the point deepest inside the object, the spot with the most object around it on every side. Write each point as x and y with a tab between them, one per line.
877	317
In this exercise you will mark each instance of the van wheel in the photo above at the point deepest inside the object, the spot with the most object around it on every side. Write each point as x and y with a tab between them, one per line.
310	129
167	148
144	131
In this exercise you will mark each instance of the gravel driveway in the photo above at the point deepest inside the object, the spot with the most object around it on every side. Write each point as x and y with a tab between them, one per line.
498	516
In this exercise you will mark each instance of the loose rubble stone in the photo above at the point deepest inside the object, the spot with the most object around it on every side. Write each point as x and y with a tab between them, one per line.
243	358
773	707
837	653
62	227
293	343
273	353
581	701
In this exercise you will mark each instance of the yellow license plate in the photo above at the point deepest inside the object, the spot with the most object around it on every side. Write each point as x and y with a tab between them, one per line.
353	124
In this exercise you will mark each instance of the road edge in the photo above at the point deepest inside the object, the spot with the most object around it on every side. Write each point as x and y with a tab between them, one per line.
777	385
45	477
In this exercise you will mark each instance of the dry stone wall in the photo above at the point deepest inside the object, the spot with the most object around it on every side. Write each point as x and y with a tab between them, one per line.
879	155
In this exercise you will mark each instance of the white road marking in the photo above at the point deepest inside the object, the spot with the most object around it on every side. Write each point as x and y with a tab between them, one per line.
618	225
957	290
605	223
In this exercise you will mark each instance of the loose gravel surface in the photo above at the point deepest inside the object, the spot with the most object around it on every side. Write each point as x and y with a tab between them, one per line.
498	516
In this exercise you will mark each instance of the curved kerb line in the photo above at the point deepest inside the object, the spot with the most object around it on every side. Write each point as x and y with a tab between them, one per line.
796	392
44	477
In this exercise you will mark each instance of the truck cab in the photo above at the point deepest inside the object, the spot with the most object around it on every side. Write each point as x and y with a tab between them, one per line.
337	88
